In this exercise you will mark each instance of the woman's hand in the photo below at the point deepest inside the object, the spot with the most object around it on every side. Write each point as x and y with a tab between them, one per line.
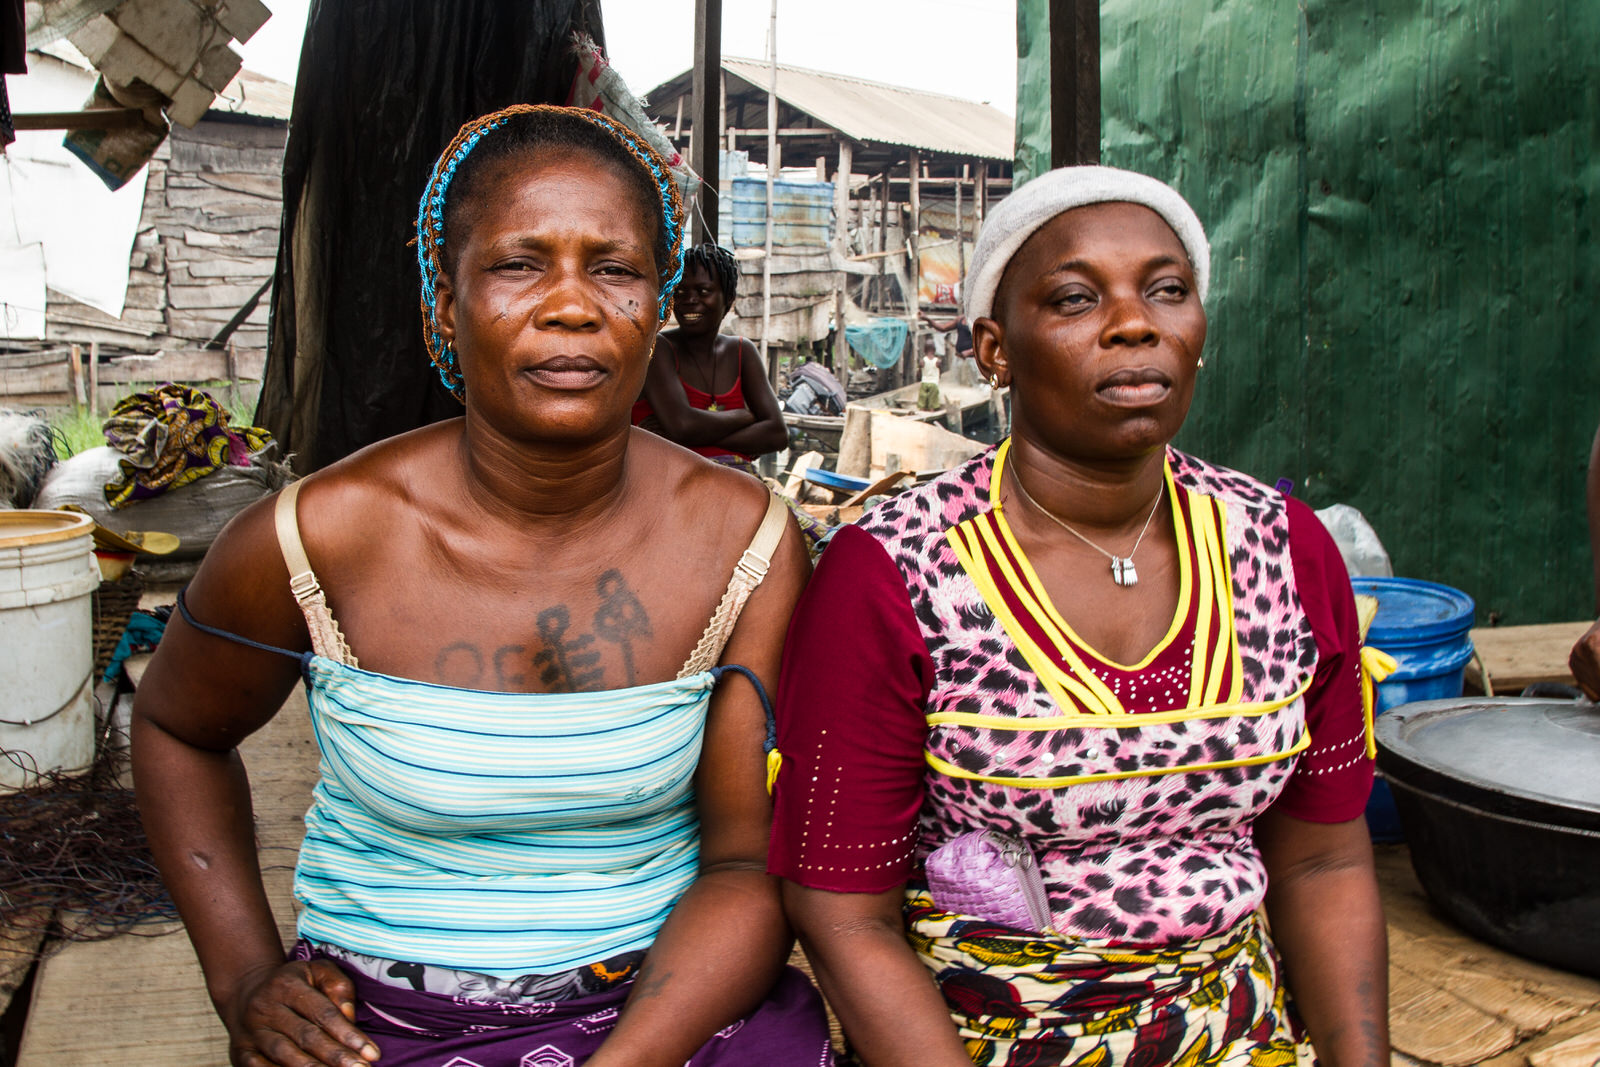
1585	662
297	1015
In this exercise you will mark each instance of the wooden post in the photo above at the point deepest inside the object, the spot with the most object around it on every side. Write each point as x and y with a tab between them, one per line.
231	354
677	127
75	363
94	377
1074	82
838	361
914	268
706	130
841	197
982	193
883	235
768	356
961	239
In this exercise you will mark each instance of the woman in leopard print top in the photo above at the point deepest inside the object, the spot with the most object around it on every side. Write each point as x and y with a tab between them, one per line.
1177	737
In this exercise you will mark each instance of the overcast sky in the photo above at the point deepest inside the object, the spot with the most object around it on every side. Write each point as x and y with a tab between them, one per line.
961	47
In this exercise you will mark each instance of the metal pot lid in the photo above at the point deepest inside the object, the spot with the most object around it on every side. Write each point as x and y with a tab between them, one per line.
1412	611
1541	751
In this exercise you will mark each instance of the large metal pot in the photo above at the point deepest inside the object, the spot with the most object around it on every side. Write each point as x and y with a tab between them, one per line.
1500	801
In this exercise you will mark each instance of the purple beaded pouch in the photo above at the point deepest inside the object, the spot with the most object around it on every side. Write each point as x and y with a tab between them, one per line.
990	876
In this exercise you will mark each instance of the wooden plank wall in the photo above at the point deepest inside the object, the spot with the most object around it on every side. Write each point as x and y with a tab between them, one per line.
207	241
45	379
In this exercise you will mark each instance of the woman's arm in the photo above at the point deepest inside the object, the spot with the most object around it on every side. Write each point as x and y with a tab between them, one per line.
885	998
680	423
1322	903
725	943
768	433
1585	658
199	698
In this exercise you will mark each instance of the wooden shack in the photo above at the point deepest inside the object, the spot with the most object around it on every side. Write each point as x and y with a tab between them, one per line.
203	254
910	171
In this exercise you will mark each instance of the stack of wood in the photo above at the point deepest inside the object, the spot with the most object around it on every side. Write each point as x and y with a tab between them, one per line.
179	48
207	240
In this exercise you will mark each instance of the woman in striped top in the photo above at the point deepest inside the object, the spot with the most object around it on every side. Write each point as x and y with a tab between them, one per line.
539	833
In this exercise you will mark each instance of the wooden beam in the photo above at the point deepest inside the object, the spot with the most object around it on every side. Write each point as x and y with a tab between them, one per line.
961	241
107	118
841	197
1074	82
94	378
790	131
883	235
707	117
76	360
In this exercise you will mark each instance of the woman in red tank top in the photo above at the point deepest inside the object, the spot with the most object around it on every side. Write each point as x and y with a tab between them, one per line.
706	391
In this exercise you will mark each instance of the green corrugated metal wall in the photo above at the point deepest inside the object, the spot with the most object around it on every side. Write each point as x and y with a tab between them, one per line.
1404	316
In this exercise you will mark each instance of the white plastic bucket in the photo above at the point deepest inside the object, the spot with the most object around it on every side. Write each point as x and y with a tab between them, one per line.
47	574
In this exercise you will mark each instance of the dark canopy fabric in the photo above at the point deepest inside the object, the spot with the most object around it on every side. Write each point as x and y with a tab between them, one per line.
383	87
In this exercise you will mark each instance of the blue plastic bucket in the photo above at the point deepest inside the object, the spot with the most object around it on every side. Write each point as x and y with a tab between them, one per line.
1425	627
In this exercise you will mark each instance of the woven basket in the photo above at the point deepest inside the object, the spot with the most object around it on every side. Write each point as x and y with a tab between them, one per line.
114	604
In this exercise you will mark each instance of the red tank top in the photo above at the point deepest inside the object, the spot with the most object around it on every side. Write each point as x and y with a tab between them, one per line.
704	401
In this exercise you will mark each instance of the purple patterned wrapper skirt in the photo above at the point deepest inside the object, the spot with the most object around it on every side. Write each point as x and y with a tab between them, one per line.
420	1029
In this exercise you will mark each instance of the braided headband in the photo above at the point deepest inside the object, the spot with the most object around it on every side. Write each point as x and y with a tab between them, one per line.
430	218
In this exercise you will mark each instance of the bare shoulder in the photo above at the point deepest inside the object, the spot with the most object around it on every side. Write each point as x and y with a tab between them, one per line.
720	505
346	504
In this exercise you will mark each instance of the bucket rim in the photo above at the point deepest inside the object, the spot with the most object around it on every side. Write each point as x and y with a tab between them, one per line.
69	524
1454	625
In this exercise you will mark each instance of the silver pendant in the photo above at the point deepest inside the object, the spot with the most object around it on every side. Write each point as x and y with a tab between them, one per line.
1123	572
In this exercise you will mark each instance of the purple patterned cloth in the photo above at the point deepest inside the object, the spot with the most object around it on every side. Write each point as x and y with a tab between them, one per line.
419	1029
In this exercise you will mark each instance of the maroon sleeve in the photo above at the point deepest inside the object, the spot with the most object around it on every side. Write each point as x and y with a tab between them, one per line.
851	725
1334	775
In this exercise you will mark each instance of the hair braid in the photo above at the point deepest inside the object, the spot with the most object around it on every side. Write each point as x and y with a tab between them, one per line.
718	263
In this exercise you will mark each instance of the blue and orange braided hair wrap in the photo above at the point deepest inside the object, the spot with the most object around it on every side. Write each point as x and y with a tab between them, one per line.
431	212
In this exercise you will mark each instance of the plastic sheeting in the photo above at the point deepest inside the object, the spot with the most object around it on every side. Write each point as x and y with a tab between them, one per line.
879	342
1401	200
382	88
48	197
1033	90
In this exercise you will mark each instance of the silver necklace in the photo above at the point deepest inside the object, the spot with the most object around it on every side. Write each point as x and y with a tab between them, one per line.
1123	571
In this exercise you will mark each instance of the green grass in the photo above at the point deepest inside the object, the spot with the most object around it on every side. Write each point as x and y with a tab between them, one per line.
77	430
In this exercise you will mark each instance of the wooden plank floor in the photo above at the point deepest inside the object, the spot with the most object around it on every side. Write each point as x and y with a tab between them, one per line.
1454	1001
149	1005
1518	656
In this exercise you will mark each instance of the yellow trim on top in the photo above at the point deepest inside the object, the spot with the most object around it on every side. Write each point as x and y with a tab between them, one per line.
1202	681
950	770
990	532
1036	587
1217	565
1236	658
1143	718
1068	692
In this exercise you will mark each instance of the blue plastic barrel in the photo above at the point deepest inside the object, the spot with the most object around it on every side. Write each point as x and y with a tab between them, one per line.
1425	627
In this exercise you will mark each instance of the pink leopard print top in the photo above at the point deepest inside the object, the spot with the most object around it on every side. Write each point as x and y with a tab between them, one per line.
893	632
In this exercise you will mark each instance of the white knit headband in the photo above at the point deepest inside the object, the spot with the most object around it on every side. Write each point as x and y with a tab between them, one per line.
1022	213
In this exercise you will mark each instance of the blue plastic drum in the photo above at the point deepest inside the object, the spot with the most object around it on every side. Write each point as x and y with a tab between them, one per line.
1425	627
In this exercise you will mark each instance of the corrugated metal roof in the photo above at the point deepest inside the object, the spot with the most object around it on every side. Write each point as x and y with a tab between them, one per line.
888	114
256	95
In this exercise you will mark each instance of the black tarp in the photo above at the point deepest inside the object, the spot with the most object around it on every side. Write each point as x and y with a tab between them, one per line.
383	87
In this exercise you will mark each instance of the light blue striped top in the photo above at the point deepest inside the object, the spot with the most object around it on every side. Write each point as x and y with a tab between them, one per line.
502	833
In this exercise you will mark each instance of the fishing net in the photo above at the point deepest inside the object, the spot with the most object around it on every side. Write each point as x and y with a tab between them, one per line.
75	860
879	342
